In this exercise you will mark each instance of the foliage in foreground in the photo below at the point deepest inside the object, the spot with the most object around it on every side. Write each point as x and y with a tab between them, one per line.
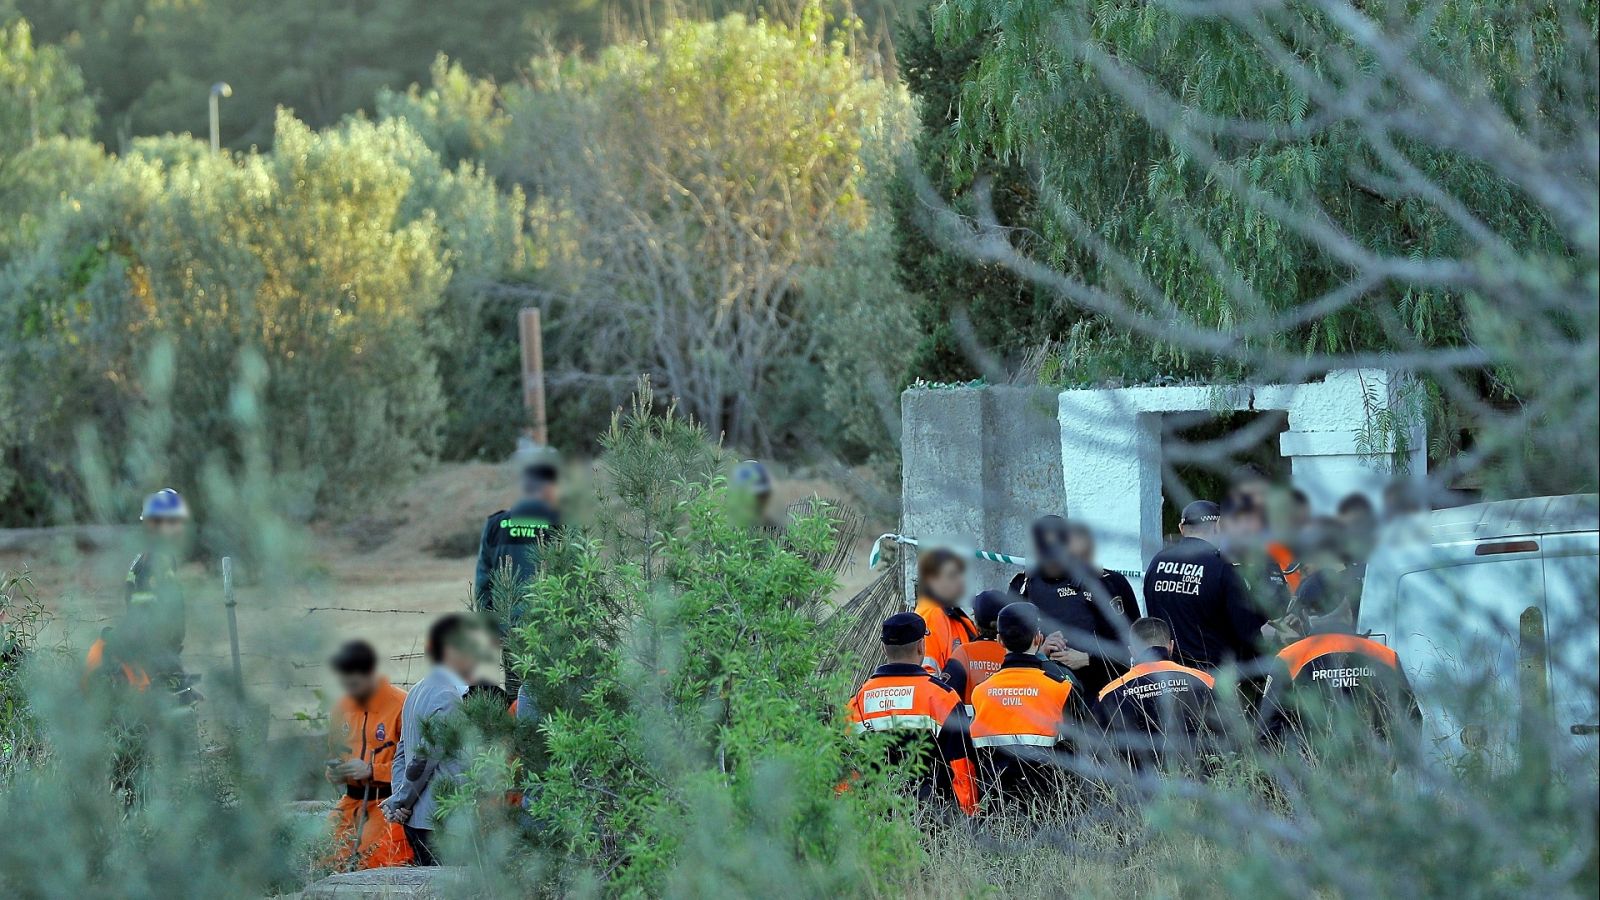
689	741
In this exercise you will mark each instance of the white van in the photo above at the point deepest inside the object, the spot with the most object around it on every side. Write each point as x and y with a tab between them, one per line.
1447	590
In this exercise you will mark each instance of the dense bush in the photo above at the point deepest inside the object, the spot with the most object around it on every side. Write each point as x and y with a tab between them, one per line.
689	741
329	259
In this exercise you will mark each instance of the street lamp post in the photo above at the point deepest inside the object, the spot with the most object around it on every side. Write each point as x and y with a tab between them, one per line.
218	90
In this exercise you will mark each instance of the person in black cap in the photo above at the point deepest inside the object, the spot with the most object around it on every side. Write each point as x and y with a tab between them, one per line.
1024	720
1201	596
1084	623
925	715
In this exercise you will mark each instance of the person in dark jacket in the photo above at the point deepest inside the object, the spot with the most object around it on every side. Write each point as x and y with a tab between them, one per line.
513	544
1159	709
1243	539
1085	618
513	539
1335	679
1201	596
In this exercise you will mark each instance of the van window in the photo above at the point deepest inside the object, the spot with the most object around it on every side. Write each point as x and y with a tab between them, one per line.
1458	625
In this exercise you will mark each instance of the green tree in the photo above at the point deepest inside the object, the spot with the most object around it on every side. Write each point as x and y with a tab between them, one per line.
1205	191
43	110
686	182
327	259
690	738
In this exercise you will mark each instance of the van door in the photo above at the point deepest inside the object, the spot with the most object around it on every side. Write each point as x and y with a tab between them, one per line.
1572	624
1456	631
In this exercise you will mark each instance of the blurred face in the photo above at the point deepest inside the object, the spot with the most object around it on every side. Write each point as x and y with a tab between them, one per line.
948	584
1081	546
1256	490
463	655
542	484
1243	525
359	685
166	530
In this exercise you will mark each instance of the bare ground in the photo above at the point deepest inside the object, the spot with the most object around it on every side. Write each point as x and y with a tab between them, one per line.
381	577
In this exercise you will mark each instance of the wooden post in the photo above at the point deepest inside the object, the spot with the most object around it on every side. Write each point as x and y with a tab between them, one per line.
231	603
1533	687
528	329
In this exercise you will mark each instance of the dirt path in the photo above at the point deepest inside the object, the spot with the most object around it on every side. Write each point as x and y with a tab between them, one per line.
380	578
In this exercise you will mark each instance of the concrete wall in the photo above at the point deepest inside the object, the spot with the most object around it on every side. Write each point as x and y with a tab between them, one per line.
980	465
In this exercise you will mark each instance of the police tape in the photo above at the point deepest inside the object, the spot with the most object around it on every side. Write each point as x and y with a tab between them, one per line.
986	555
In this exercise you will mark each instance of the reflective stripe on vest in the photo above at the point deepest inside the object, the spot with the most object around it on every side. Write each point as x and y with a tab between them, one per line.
897	723
1015	740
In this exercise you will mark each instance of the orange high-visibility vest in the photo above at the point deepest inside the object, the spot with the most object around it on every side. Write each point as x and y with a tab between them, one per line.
981	658
915	704
1303	652
1019	706
947	630
1284	557
1151	668
136	677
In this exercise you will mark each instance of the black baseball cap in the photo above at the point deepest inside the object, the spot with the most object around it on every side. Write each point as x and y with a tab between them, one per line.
1200	512
904	628
987	605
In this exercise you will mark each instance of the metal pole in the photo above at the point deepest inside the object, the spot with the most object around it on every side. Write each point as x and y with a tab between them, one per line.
231	603
531	334
219	90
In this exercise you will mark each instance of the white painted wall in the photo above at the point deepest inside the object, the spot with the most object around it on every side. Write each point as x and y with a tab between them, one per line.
1111	450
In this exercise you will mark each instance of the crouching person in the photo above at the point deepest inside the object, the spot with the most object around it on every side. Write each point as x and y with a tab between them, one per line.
1026	723
364	729
925	715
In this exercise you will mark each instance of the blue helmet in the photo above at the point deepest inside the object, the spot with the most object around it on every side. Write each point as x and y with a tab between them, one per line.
164	504
752	476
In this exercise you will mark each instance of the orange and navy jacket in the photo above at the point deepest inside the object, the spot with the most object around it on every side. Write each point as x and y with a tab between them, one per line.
927	716
1338	669
1285	558
979	659
133	675
369	732
1154	705
948	628
1021	706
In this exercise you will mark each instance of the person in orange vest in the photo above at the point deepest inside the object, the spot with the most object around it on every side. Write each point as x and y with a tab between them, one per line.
122	669
1024	722
981	658
941	583
364	729
1326	677
1158	708
923	713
